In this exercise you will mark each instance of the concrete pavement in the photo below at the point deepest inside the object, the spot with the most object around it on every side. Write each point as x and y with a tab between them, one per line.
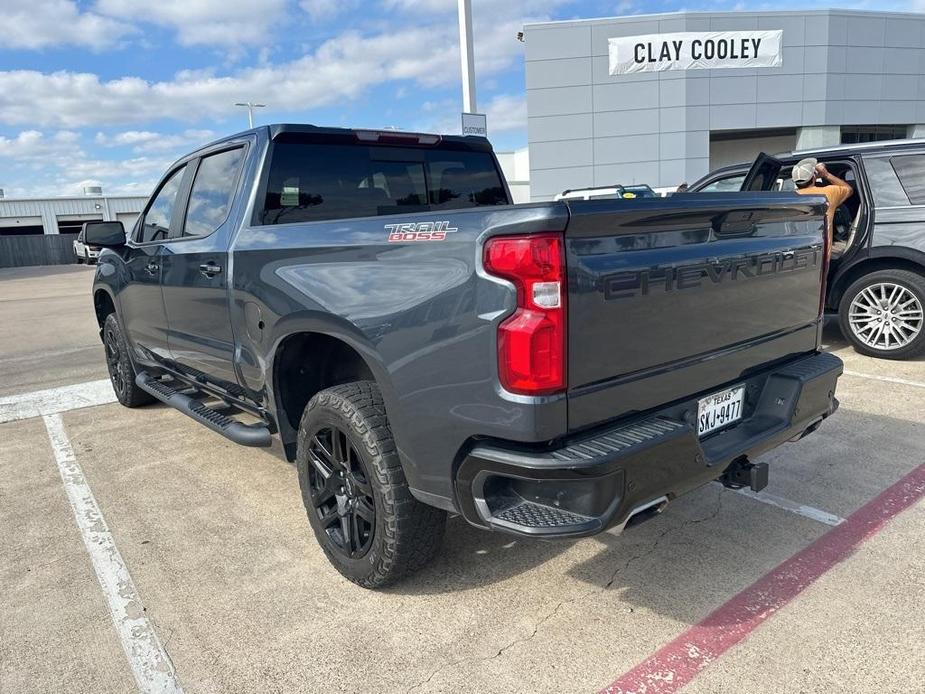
243	600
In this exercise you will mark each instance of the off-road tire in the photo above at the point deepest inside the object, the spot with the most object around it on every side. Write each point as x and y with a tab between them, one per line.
406	533
911	282
120	366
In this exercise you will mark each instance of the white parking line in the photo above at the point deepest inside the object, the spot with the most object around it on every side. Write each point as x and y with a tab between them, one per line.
54	400
792	506
887	379
151	666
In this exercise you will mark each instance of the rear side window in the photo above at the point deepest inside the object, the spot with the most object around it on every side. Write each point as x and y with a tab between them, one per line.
156	226
212	192
911	171
313	182
884	184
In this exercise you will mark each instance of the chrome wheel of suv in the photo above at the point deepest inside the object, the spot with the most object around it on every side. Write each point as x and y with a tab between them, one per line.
881	313
886	316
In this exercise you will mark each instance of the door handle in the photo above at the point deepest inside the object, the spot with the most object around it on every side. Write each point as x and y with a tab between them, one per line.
151	268
210	269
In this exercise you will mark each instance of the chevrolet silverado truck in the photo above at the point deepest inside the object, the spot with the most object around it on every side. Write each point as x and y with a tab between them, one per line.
372	305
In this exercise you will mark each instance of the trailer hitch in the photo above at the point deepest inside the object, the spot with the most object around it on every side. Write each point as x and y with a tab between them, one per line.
742	473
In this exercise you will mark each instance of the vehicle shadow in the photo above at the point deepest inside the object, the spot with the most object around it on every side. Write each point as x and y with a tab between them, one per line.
471	558
707	545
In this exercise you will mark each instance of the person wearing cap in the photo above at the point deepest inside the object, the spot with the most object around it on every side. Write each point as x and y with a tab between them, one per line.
835	190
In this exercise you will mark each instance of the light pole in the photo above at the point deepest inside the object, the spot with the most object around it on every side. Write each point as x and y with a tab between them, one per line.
250	110
466	57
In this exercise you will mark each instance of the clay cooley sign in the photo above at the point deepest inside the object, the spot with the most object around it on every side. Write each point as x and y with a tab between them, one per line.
694	51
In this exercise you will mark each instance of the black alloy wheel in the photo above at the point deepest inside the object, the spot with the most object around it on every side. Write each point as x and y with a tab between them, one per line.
359	505
341	493
120	366
114	361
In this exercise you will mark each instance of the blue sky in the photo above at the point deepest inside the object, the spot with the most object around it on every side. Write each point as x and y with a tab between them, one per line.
111	91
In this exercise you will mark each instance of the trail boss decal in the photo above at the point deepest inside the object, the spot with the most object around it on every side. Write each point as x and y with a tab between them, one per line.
695	51
419	231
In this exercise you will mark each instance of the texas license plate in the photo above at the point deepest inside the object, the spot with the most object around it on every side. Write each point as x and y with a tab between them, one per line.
719	410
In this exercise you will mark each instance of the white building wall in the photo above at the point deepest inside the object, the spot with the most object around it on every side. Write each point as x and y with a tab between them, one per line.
515	166
587	127
49	210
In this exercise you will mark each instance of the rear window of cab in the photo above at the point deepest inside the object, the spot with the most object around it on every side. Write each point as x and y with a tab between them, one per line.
310	182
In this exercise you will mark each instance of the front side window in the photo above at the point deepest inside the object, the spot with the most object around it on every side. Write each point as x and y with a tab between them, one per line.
884	184
724	185
313	182
156	226
911	171
212	192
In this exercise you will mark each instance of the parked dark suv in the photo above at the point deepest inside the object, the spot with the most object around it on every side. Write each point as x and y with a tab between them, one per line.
876	279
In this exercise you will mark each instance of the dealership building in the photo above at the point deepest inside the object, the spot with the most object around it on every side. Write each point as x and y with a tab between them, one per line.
40	231
665	98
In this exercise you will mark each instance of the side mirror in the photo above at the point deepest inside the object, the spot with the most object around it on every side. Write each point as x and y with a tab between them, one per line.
104	234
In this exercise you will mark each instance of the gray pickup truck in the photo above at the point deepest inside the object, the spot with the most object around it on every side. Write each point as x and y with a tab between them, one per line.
373	305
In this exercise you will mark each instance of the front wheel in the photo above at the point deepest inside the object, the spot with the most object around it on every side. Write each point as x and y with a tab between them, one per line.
358	502
119	364
881	314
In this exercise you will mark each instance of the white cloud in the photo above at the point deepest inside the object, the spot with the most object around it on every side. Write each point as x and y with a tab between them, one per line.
32	146
35	24
506	112
147	141
341	68
503	113
229	23
320	10
479	7
35	164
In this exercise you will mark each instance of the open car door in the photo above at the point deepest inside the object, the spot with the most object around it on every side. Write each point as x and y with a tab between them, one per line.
763	174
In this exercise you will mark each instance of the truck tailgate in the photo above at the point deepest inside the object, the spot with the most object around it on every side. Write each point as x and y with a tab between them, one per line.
670	297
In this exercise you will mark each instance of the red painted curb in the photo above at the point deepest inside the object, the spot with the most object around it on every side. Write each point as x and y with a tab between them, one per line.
675	664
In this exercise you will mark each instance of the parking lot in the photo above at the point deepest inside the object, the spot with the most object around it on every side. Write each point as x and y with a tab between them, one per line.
817	585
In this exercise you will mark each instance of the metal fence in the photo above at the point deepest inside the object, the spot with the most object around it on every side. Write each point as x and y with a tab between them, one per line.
39	249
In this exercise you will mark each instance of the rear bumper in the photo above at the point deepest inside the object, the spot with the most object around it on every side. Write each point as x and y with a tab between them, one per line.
603	479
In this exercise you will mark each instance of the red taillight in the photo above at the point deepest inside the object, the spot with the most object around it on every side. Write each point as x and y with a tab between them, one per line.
531	342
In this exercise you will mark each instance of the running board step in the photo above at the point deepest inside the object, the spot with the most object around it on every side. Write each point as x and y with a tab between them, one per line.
244	434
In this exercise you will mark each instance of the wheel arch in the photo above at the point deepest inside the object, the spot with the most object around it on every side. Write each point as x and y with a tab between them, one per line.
305	362
103	305
878	259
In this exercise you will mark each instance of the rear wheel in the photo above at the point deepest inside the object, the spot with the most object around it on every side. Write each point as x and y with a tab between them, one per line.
881	314
119	364
359	506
